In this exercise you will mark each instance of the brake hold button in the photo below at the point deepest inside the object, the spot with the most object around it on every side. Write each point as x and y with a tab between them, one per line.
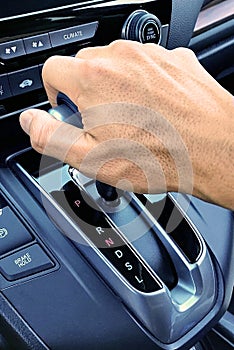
25	262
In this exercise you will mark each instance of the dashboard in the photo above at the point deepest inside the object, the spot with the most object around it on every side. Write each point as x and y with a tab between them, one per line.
80	272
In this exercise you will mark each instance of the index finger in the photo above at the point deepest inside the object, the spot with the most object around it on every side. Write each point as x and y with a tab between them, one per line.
61	74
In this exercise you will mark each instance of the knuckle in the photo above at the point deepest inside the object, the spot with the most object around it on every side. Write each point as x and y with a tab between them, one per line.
84	52
86	67
48	64
124	46
117	44
184	51
154	50
93	70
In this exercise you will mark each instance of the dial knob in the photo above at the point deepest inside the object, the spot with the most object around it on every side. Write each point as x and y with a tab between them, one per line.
142	26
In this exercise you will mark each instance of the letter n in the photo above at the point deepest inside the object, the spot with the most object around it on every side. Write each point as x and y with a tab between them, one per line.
109	242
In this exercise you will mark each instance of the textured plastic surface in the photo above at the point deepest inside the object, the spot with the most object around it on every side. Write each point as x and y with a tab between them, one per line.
183	19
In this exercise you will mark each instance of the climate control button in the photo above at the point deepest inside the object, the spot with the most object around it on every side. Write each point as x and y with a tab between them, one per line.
73	34
12	49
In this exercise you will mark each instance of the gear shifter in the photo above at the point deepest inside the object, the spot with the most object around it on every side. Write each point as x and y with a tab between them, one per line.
68	112
108	193
156	272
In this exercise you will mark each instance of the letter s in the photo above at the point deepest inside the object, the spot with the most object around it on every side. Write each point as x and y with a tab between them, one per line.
128	266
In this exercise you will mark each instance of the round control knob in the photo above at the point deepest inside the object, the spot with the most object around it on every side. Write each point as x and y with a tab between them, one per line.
142	26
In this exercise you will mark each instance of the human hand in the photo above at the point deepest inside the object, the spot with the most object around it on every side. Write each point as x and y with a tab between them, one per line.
154	120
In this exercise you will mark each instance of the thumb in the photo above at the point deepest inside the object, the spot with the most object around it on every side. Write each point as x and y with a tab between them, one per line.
55	138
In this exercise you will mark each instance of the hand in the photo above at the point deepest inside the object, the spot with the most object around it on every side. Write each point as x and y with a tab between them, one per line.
154	120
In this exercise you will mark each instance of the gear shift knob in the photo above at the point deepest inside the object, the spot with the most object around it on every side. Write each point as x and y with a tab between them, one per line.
68	112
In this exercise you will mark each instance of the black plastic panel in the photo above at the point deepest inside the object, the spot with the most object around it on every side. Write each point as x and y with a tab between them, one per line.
106	238
182	234
183	19
74	293
215	47
217	227
110	18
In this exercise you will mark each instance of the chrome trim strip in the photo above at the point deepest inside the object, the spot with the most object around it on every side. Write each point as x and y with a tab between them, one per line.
214	14
157	311
38	105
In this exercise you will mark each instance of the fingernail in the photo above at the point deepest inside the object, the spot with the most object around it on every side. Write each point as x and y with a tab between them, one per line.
25	120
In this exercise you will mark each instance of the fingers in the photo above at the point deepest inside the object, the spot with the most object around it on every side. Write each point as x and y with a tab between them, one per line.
62	74
76	76
54	138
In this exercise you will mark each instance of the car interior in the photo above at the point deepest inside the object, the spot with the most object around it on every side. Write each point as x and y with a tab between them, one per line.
82	264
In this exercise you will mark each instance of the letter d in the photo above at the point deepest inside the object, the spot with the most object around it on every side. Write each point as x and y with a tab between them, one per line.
119	253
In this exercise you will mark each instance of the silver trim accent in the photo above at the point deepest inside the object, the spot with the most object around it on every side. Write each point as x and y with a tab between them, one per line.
168	315
128	22
38	105
191	298
214	14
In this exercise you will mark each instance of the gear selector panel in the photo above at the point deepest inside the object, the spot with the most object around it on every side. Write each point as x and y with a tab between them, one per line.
106	237
143	246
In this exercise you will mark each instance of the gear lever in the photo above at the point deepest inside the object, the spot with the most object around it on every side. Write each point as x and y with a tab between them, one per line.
159	275
68	112
108	193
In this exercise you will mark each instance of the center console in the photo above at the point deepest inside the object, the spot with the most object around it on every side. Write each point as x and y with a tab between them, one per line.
83	265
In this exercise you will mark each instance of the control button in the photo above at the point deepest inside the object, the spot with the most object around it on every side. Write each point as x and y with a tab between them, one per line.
142	26
25	262
5	90
73	34
106	237
12	49
37	43
13	234
25	80
150	32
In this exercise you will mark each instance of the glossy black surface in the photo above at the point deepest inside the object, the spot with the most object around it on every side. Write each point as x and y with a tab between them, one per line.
105	237
109	15
16	8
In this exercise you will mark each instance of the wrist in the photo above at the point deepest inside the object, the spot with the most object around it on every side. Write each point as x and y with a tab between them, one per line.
214	170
